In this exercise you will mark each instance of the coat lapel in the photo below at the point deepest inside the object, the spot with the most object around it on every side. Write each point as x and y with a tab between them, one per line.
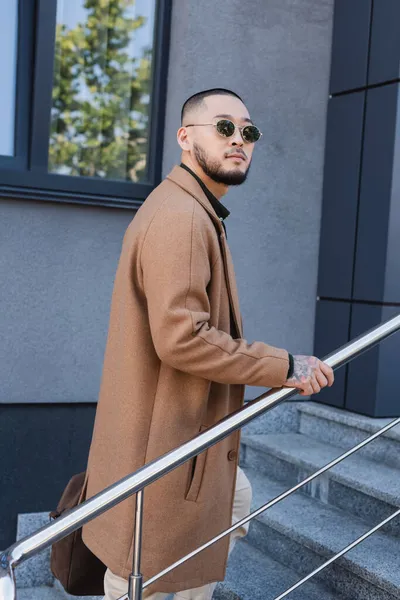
190	185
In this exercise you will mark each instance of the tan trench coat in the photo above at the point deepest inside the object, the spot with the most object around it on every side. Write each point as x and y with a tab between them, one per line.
171	369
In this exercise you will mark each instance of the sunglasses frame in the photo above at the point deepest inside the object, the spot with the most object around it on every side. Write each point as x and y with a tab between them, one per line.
228	136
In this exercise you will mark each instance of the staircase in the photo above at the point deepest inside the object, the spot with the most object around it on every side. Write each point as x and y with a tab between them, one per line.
298	534
309	527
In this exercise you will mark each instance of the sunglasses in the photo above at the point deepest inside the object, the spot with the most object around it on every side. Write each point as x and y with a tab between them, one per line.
226	128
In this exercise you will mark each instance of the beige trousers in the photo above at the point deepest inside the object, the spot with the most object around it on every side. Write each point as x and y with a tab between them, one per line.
115	586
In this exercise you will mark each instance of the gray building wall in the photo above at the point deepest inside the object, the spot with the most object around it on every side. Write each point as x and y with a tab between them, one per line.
58	261
57	268
276	55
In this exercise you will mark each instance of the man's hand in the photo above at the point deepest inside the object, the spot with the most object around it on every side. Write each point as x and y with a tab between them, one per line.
310	375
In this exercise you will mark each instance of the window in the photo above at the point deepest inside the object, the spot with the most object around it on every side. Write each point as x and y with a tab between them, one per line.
8	70
87	96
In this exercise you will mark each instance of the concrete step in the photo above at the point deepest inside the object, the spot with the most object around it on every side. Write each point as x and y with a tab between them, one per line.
284	418
302	533
34	572
42	592
251	575
346	429
356	485
34	575
65	596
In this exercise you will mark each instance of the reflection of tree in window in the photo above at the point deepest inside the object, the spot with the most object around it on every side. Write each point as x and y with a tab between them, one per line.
101	95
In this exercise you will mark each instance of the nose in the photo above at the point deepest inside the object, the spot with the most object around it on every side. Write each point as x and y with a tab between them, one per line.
236	139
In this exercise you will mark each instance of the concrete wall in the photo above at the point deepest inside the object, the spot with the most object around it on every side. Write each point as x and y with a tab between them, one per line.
58	261
57	268
276	55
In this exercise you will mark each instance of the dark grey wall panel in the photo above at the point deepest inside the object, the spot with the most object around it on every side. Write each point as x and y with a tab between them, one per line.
42	446
384	59
359	262
351	30
392	277
372	377
340	195
363	371
376	193
388	400
331	332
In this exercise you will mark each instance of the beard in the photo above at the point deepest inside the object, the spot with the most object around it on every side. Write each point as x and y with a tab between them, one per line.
213	169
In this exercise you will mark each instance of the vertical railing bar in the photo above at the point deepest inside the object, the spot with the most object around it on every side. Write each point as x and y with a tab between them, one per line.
138	533
338	555
135	584
274	501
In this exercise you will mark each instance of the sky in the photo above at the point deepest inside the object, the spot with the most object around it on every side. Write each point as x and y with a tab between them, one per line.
71	12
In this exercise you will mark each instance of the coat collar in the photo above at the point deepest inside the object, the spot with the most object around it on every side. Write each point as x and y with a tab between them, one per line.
219	208
188	183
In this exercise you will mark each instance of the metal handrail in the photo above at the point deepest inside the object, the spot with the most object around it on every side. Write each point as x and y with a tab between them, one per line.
75	518
272	503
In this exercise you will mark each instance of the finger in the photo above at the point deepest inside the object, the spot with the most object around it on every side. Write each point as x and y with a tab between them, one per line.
291	383
304	393
315	386
322	380
296	383
303	388
308	390
327	371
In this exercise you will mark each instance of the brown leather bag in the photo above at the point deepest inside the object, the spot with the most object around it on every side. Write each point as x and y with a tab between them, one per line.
79	571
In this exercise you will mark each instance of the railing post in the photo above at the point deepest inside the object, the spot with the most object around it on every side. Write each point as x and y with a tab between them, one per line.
7	581
135	588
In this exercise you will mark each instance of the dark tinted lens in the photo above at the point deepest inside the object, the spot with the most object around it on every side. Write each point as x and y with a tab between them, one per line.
251	133
225	127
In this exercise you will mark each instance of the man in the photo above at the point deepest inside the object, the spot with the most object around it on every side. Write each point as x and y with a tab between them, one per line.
176	363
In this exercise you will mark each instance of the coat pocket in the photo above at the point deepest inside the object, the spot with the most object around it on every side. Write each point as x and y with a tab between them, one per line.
196	472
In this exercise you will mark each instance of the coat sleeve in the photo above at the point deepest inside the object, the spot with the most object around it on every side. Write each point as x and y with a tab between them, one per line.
176	269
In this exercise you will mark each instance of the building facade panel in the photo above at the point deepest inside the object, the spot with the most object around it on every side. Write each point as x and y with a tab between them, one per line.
375	194
340	195
332	324
350	44
369	256
384	63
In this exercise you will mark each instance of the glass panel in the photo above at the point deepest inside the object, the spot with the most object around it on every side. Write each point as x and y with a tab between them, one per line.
101	88
8	73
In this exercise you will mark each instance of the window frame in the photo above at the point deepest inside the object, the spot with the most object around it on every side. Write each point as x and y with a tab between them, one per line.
25	174
23	80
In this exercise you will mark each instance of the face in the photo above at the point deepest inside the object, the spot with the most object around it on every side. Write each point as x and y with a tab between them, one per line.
225	160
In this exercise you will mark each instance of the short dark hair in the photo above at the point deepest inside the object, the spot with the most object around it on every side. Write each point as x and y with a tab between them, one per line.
195	100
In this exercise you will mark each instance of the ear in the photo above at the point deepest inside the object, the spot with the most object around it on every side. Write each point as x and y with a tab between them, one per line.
183	139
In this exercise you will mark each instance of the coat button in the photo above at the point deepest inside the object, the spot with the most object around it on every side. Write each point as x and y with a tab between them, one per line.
232	454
